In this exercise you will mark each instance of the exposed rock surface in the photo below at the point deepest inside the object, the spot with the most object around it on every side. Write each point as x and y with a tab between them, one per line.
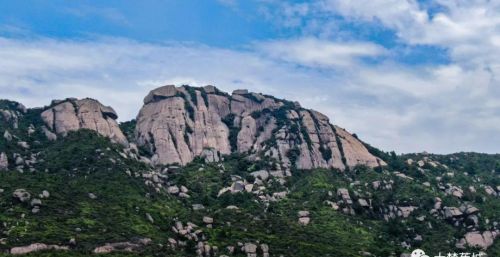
71	114
22	195
4	162
35	248
133	246
484	240
177	124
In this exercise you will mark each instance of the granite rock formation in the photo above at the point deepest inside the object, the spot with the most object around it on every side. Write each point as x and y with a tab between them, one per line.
176	124
72	114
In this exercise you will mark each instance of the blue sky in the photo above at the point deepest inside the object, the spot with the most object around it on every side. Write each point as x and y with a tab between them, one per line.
226	23
404	75
208	22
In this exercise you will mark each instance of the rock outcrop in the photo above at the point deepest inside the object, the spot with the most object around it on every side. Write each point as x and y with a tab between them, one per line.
4	162
72	114
133	246
36	247
484	240
177	124
10	112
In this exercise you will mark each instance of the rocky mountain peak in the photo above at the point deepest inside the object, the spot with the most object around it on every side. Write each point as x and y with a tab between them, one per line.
177	124
10	111
72	114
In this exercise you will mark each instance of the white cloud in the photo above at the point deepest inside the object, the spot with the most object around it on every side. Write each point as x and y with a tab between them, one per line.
441	109
315	52
468	28
426	106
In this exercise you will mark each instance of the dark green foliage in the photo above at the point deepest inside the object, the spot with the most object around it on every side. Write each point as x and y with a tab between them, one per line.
341	149
84	162
8	105
204	96
253	98
233	131
293	155
189	108
325	152
192	94
128	128
77	165
377	152
396	162
306	136
194	98
294	129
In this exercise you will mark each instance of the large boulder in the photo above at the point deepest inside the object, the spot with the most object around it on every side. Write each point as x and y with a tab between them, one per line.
210	155
72	114
21	195
36	247
484	240
452	212
177	124
4	162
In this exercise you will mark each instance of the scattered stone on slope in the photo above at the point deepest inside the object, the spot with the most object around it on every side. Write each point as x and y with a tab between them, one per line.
36	247
134	246
4	162
7	136
405	211
250	249
173	190
23	144
150	218
197	207
304	218
50	136
210	155
452	213
22	195
265	250
36	202
208	220
344	194
484	240
490	191
45	194
261	174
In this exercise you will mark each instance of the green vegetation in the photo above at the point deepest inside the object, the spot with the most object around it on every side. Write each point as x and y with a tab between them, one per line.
233	131
83	162
253	98
128	129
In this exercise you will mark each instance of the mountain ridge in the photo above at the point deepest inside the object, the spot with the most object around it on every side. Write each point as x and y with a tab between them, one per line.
82	193
177	124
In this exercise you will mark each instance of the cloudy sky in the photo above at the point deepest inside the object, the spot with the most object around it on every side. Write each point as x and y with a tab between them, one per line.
405	75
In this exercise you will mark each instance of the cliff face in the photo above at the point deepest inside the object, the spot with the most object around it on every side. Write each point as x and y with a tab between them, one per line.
72	114
178	123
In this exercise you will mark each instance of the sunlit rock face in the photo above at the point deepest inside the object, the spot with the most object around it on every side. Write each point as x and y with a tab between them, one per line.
72	114
176	124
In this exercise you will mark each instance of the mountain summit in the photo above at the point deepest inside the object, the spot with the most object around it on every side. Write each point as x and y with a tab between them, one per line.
177	124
